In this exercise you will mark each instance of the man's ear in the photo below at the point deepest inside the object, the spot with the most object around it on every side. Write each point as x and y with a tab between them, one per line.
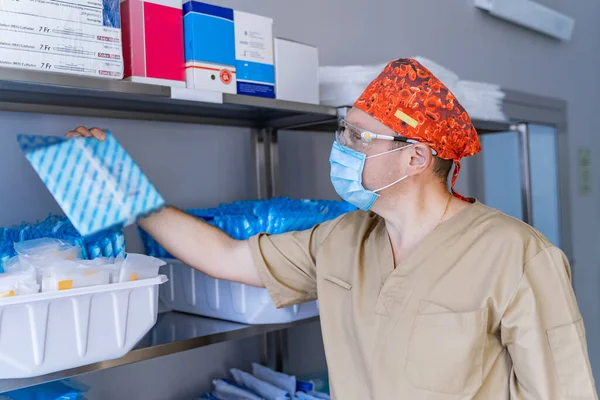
420	159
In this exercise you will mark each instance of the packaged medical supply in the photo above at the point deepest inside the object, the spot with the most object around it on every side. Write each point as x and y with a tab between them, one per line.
153	42
228	390
244	219
137	266
254	54
75	36
264	389
65	274
37	252
67	389
296	71
18	280
97	184
305	386
209	47
278	379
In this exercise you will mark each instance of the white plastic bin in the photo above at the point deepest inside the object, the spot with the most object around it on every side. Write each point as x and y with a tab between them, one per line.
48	332
191	291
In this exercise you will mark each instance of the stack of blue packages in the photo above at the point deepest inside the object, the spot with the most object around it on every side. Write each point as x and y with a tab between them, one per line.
244	219
107	244
263	384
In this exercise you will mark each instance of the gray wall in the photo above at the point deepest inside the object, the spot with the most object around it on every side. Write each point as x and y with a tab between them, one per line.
180	158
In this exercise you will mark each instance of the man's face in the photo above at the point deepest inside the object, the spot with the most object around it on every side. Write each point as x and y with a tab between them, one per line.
378	171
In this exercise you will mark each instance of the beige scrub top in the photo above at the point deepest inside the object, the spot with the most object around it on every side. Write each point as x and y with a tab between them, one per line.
483	308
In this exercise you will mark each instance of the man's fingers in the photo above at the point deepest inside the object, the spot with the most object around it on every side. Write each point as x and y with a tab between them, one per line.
72	134
98	133
83	131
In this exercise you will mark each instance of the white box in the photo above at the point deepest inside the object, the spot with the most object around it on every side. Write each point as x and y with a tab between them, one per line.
254	54
77	36
43	333
191	291
296	71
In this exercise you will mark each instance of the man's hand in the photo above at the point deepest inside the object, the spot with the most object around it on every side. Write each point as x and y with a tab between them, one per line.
82	131
192	240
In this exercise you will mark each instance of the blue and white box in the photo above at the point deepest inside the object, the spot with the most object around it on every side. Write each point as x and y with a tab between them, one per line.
97	184
254	55
209	47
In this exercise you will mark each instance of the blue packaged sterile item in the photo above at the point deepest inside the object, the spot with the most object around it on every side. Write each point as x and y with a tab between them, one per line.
244	219
305	396
278	379
229	390
109	244
68	389
264	389
305	386
96	183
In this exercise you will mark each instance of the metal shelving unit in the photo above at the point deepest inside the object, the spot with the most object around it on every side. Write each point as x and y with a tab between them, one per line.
35	92
173	333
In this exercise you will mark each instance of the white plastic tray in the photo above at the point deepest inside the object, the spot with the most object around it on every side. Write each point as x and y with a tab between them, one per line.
53	331
193	292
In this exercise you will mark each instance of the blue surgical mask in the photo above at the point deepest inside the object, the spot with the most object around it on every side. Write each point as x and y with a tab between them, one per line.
346	175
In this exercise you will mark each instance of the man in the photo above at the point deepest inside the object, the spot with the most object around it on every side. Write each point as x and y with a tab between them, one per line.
423	295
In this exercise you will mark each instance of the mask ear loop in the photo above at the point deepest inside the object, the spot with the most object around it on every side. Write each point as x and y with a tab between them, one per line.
389	151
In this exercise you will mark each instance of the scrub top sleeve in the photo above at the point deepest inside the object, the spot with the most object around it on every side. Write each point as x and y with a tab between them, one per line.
544	334
287	263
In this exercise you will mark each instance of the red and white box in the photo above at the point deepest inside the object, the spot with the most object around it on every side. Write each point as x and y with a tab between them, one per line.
153	41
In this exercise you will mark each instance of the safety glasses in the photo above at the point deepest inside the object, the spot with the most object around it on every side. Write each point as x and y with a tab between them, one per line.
352	136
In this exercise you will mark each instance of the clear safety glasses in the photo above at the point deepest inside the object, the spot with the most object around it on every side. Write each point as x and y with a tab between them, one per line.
356	138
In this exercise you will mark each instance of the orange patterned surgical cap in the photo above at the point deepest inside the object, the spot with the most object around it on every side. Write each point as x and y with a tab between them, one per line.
409	99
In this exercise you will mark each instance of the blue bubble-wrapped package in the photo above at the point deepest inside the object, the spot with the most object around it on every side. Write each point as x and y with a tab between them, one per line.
106	244
244	219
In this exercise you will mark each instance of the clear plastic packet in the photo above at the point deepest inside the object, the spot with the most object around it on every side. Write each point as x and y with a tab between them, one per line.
17	280
66	274
108	264
137	266
37	252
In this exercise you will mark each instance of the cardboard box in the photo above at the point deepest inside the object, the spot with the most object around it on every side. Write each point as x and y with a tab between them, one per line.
296	71
254	55
153	41
97	184
77	36
209	47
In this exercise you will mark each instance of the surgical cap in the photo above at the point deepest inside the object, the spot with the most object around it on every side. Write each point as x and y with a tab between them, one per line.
410	100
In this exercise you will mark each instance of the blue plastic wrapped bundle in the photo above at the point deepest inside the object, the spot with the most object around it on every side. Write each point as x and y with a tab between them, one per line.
68	389
108	244
244	219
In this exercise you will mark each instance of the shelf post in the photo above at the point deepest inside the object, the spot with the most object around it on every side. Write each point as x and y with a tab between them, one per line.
524	160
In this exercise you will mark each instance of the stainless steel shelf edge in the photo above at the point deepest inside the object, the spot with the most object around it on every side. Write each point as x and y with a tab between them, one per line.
173	333
10	77
38	92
